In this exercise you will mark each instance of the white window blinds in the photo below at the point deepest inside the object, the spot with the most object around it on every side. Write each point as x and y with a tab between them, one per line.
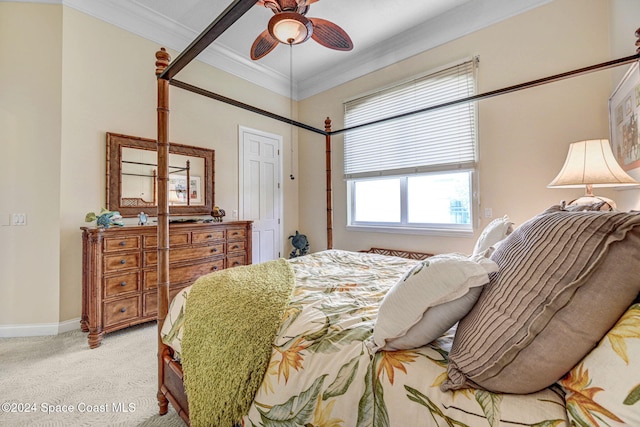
444	138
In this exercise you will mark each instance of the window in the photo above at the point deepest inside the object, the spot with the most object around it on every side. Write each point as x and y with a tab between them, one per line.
417	170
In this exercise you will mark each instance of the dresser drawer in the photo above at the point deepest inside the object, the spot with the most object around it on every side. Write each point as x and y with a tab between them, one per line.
121	310
207	236
183	274
235	246
184	254
175	239
235	261
150	303
121	284
121	262
123	243
236	234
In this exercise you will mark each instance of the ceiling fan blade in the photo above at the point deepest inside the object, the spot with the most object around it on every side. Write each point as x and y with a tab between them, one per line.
271	4
330	35
263	45
288	4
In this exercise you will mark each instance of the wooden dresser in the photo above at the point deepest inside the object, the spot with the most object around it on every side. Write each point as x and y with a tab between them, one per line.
119	268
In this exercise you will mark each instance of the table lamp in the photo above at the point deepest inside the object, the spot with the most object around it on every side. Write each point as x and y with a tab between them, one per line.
591	164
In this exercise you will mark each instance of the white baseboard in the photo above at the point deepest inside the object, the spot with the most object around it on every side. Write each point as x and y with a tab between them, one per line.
69	325
36	330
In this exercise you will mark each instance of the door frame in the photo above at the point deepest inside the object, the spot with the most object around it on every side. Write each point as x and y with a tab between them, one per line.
242	130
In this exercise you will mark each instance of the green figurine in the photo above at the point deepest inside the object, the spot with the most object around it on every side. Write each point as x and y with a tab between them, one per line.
106	218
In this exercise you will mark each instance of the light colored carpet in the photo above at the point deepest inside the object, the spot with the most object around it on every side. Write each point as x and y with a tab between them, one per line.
98	385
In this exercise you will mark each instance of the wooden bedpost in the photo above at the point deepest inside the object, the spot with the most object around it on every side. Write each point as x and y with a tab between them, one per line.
162	62
327	128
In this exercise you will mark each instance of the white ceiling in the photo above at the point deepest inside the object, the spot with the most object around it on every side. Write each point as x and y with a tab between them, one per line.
383	32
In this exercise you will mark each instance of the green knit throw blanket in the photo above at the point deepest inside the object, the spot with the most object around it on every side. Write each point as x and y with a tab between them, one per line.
231	318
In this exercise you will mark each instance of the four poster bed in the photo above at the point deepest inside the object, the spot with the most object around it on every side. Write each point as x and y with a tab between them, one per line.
334	338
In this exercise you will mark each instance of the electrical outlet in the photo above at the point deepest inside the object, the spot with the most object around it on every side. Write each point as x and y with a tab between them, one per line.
234	214
18	219
488	213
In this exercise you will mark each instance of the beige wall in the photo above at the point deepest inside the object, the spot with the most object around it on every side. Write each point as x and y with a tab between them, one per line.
30	123
71	78
523	136
76	78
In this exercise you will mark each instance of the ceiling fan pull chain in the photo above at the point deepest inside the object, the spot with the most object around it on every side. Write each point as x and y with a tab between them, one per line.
291	104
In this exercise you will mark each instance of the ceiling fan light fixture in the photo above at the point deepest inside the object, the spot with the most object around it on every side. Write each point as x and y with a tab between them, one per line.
290	27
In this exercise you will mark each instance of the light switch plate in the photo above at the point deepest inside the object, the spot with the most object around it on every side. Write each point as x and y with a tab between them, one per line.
18	219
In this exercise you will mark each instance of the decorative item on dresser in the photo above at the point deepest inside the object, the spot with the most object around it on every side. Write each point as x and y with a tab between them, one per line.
119	268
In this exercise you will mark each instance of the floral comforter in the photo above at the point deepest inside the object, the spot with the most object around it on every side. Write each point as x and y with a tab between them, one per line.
322	374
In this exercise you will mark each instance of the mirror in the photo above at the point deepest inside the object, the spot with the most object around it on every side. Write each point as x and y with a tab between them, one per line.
132	177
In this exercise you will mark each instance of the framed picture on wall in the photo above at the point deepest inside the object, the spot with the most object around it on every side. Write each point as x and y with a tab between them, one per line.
624	106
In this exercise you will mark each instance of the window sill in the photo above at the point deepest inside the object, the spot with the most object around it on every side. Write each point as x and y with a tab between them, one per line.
444	232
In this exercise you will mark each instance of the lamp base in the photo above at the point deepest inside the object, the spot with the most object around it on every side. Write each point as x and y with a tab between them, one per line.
593	203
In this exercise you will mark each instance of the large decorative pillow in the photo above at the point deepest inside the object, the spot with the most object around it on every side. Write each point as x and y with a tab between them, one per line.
565	278
605	386
429	299
496	231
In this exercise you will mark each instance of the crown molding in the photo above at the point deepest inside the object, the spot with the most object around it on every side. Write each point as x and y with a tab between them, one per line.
456	23
150	25
144	22
33	1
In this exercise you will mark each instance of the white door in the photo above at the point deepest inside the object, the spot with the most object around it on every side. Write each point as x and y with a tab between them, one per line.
260	193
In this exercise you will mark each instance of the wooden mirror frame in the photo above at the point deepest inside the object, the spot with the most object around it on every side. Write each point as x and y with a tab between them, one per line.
115	143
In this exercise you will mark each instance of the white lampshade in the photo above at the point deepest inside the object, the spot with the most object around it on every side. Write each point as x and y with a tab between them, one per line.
290	27
591	164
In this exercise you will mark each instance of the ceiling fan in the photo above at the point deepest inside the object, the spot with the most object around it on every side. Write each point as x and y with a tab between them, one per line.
290	26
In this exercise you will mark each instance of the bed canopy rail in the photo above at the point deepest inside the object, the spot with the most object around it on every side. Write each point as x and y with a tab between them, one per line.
474	98
165	72
242	105
198	45
228	17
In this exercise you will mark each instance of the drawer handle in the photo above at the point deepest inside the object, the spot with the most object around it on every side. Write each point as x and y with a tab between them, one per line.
123	261
236	263
123	283
214	250
123	243
214	268
122	310
235	247
209	236
235	233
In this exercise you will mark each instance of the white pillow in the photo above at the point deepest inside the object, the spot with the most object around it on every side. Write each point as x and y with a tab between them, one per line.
429	299
492	234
